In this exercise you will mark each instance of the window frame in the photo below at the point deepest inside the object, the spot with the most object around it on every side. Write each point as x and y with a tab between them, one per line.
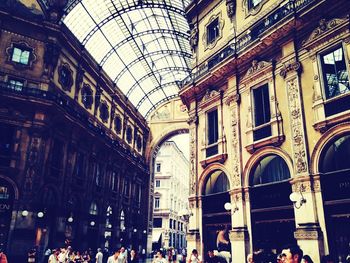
23	49
156	202
255	88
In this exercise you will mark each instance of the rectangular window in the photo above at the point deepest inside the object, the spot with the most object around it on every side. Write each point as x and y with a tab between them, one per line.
253	3
335	74
79	165
158	167
170	223
16	85
213	31
156	202
262	113
213	132
157	222
126	188
20	55
157	183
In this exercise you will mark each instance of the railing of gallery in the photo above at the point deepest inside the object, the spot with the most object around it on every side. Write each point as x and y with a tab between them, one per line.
248	37
72	108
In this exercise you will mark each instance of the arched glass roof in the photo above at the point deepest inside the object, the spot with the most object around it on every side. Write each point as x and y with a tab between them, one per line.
143	45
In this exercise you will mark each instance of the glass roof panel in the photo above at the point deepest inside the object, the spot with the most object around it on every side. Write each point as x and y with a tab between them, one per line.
142	45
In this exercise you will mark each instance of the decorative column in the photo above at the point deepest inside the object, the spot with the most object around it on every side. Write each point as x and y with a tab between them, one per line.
239	234
308	233
193	233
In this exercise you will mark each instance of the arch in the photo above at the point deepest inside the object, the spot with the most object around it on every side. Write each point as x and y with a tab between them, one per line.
256	157
327	137
178	128
208	171
13	184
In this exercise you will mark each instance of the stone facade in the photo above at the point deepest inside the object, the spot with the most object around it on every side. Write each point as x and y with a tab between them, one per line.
273	50
73	165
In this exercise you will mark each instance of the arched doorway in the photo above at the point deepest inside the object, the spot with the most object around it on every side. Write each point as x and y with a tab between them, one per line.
214	196
334	167
7	197
272	214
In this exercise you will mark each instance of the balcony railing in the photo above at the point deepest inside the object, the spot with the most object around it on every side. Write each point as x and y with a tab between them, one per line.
252	34
74	109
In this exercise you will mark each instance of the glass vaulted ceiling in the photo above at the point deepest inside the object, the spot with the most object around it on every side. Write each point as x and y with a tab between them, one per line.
142	45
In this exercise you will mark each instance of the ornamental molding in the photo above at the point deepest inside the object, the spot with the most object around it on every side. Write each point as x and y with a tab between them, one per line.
236	169
193	162
257	70
239	234
235	98
209	97
194	37
290	66
325	28
231	8
298	136
68	83
221	27
308	233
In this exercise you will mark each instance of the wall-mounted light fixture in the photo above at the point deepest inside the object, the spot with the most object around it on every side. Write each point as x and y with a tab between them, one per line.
70	219
25	213
228	205
144	231
92	223
135	230
40	214
185	214
298	198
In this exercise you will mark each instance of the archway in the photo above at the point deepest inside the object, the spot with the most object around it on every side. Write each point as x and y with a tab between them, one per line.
272	215
215	193
167	121
334	168
7	198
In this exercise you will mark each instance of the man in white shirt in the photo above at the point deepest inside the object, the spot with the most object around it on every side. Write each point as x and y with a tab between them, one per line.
159	258
123	255
114	258
99	256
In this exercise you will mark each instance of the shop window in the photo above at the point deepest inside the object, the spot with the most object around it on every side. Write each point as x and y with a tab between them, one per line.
157	222
21	55
157	183
335	74
87	96
158	167
129	134
6	142
16	85
65	77
156	202
118	124
213	133
213	31
79	165
93	210
217	183
253	3
271	169
262	115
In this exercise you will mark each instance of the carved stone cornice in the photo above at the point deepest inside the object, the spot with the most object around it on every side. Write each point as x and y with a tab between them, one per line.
235	98
209	97
308	232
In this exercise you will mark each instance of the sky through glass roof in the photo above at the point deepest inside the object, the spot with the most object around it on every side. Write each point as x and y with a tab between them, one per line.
143	45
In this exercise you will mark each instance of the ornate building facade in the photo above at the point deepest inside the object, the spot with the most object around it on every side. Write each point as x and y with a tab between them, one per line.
72	148
170	197
268	103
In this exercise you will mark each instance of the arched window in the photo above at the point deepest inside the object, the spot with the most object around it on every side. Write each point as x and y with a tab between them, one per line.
335	157
93	209
270	169
217	183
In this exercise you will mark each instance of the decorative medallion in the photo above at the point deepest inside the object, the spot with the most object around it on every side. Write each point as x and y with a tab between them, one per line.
118	124
129	134
65	76
104	111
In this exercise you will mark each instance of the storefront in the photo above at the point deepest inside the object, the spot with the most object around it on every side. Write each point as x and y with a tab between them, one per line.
272	214
334	167
215	216
7	198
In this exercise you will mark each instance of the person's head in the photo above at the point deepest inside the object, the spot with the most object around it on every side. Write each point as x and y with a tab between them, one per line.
250	258
132	253
292	254
57	251
307	259
159	254
211	253
99	250
122	249
280	258
195	252
116	253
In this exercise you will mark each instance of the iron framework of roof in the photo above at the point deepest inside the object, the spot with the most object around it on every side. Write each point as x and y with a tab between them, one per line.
143	45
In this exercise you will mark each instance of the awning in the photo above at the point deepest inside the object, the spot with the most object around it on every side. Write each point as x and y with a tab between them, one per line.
156	235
